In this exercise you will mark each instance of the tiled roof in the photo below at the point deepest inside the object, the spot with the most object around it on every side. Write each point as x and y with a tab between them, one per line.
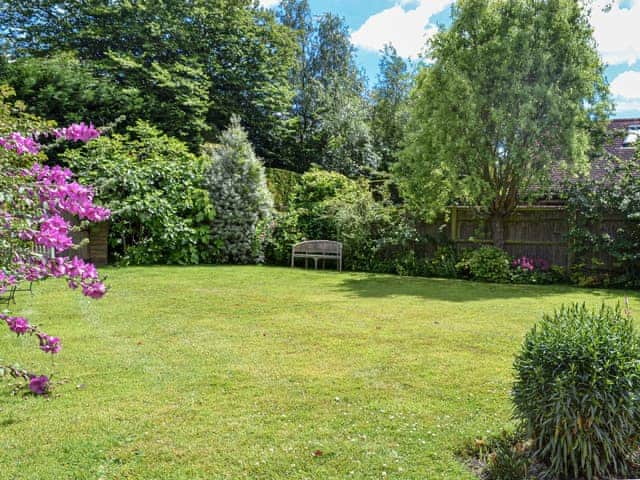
616	148
601	165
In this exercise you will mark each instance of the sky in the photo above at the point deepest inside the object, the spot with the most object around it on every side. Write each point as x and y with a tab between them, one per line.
408	24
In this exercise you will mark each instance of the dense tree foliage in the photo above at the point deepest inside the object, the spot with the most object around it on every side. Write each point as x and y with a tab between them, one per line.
515	87
187	67
63	89
390	108
194	64
330	113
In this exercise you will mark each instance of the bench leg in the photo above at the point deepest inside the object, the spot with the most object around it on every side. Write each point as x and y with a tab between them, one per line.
315	263
306	263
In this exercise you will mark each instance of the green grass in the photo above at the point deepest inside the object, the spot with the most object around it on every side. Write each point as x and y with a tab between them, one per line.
245	372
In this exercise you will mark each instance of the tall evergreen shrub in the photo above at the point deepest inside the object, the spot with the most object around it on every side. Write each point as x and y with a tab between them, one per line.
239	194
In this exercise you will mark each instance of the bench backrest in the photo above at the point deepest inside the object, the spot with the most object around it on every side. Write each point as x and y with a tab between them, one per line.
45	252
325	247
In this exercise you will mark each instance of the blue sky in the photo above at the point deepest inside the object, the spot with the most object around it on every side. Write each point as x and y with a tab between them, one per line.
408	24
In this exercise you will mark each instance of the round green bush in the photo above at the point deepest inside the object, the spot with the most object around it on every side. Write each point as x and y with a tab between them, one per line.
577	390
487	264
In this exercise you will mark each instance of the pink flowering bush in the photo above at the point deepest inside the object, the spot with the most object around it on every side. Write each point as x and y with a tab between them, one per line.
37	203
535	270
531	264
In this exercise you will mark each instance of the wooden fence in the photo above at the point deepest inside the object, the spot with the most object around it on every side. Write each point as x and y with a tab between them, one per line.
533	231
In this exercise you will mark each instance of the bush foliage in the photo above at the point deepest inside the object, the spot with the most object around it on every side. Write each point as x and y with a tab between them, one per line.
238	191
591	203
154	187
487	264
378	236
577	389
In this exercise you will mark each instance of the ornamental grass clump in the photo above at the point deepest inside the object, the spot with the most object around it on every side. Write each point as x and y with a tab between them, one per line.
577	390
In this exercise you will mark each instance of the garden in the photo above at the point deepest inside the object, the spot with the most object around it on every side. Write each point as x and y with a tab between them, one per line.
483	321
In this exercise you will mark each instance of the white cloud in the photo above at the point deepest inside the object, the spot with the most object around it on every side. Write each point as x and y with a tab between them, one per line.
617	31
626	85
407	29
269	3
625	89
407	26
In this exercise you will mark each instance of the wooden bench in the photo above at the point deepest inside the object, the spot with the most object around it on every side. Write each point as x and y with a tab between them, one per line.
317	250
38	251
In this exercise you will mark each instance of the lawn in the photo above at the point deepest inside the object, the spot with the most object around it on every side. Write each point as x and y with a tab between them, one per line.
267	373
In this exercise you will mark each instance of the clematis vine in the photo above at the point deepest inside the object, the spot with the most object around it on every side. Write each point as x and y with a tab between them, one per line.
37	205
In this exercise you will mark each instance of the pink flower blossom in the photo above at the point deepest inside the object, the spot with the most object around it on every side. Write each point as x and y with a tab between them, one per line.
94	290
54	233
78	132
43	200
19	325
21	145
39	385
531	264
49	344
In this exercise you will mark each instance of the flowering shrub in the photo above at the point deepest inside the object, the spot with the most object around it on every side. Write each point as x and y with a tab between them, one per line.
531	264
536	270
36	202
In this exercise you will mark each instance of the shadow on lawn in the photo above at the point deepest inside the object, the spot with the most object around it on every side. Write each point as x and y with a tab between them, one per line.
376	286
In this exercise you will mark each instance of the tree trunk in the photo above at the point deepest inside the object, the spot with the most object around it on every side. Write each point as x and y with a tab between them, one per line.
497	231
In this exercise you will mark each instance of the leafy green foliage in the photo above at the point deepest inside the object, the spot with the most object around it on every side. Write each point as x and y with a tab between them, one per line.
330	114
282	185
63	89
605	230
443	262
487	264
344	131
505	456
509	459
377	235
515	87
317	189
390	112
194	63
238	191
555	274
577	388
153	186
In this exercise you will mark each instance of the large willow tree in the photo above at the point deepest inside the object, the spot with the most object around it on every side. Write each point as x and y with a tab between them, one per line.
515	88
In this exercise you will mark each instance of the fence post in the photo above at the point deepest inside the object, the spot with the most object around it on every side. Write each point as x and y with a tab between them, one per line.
454	223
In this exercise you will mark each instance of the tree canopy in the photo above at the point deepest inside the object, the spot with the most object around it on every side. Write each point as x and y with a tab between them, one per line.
516	87
390	108
194	64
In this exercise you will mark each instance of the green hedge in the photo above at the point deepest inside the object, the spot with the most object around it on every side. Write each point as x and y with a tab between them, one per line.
282	185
